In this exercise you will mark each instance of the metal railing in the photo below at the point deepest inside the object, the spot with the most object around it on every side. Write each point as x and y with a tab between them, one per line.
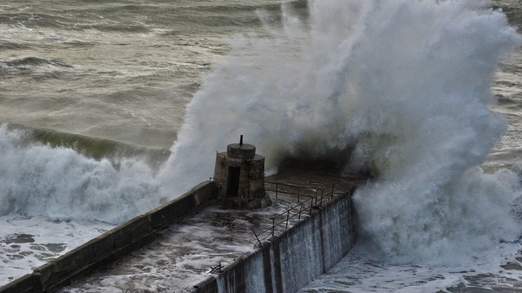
312	189
309	199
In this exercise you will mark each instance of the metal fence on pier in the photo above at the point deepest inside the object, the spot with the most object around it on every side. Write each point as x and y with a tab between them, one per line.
310	198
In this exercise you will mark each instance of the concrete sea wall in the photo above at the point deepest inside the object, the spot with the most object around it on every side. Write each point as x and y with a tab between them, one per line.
295	258
112	244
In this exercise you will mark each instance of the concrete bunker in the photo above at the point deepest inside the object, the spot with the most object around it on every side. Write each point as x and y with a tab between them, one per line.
240	177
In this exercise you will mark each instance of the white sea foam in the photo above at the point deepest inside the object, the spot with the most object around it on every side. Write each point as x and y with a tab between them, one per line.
362	272
409	81
44	241
59	183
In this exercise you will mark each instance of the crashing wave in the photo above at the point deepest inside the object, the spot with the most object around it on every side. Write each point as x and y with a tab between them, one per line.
406	82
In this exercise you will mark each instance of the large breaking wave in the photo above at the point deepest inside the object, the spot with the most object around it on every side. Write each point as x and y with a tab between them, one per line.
407	82
62	184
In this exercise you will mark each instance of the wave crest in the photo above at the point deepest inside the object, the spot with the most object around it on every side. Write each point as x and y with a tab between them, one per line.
59	183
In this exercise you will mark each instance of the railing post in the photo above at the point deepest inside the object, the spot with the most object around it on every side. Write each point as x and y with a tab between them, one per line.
277	189
273	228
287	218
259	241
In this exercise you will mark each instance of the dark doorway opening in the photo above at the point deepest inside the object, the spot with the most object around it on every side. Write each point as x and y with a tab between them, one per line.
233	181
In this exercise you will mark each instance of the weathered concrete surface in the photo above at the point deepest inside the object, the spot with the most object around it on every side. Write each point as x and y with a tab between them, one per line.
27	284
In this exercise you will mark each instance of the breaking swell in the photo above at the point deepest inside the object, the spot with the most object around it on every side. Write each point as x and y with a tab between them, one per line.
41	179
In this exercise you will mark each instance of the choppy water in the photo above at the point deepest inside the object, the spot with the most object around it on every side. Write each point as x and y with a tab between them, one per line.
109	80
112	79
121	70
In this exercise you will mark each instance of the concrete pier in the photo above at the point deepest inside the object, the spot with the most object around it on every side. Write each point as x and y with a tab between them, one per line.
195	243
239	250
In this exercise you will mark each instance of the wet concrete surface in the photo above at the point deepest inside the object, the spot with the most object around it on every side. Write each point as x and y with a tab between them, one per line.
187	253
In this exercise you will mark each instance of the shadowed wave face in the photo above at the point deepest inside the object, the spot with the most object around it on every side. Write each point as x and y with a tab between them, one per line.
406	83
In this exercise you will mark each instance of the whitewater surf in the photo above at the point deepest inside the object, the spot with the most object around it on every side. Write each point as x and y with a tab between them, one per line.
409	85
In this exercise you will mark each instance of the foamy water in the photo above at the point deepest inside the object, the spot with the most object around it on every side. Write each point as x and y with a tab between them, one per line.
28	242
335	74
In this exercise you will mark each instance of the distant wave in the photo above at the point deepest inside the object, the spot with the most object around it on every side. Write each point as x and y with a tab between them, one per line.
6	45
93	147
148	9
126	18
33	61
124	27
76	23
34	19
29	65
507	101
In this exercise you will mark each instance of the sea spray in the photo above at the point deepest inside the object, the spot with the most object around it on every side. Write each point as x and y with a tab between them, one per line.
61	184
407	82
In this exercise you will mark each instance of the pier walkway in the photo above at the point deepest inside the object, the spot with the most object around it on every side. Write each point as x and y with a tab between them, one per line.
202	244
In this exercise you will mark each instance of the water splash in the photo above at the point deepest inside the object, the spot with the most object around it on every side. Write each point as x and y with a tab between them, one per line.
407	82
59	183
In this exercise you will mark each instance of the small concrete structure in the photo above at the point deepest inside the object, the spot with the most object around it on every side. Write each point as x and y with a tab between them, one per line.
240	177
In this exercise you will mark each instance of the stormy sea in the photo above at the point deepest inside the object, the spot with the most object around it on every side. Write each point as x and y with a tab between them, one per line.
110	108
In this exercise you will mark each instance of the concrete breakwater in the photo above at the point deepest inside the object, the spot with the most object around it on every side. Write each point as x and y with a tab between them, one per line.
289	262
213	238
284	263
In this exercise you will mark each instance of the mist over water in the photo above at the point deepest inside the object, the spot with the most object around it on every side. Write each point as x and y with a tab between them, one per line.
407	82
